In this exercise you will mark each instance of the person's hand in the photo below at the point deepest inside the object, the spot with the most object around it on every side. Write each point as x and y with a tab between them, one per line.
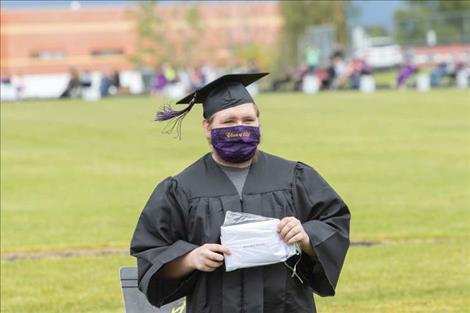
208	257
291	231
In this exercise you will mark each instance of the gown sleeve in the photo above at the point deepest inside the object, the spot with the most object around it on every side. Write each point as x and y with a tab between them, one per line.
326	221
158	239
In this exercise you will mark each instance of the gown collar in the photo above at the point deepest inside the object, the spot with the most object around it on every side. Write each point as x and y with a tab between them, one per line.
224	183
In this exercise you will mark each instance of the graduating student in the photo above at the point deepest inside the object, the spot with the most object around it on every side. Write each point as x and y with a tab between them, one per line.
177	237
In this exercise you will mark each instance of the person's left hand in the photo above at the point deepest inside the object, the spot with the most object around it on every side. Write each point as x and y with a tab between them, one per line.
291	231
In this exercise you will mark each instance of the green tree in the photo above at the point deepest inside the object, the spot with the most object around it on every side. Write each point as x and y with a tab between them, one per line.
152	46
262	56
298	15
376	31
449	19
449	5
191	32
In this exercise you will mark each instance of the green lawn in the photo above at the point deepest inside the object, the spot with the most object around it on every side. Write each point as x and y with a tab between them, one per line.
75	175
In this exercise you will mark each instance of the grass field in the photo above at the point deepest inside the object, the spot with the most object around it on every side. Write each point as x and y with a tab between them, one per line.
75	176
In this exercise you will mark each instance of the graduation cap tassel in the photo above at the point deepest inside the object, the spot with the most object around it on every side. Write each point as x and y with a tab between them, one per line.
174	117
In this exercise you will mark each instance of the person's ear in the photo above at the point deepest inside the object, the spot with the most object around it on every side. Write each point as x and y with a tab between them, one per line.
207	128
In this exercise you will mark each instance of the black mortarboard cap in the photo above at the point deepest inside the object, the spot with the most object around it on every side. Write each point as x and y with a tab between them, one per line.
224	92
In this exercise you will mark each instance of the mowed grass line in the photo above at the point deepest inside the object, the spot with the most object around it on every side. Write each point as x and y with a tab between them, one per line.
76	175
394	278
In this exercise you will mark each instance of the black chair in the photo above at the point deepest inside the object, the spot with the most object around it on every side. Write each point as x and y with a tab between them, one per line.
135	301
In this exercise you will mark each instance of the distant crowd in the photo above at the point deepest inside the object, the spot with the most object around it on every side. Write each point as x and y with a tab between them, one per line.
444	74
352	73
169	81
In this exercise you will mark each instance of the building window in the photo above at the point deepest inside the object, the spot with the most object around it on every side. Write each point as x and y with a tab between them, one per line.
107	52
47	55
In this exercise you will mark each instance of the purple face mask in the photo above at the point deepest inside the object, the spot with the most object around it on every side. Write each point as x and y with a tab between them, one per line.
235	144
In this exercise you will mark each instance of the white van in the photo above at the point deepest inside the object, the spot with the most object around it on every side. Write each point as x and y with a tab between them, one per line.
381	52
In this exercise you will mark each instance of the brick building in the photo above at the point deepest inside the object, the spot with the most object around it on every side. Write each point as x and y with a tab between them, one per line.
40	41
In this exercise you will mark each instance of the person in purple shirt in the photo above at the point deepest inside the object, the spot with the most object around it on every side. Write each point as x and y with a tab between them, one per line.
159	80
404	74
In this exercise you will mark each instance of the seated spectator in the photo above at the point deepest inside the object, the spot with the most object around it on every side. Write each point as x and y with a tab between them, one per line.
281	80
85	80
159	80
73	86
198	79
170	74
437	74
404	74
115	80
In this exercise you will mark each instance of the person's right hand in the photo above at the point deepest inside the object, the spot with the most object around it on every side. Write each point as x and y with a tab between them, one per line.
208	257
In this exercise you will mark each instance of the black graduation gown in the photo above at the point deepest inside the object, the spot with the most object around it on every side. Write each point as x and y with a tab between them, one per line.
187	210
